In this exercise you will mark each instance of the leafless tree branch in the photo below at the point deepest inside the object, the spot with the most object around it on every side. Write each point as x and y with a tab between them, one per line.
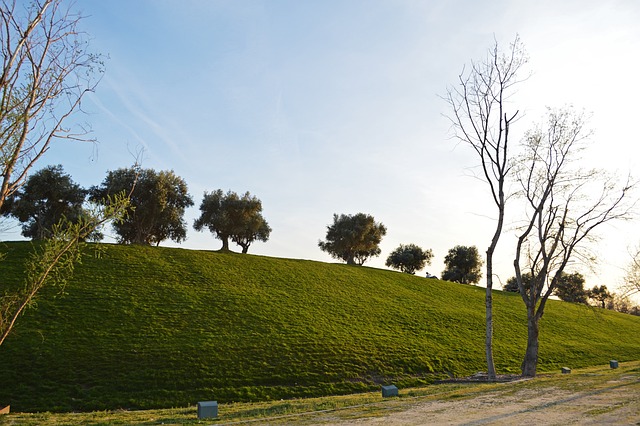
479	118
564	206
46	72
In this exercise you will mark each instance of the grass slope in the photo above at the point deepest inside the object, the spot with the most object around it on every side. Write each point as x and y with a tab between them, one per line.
617	390
148	327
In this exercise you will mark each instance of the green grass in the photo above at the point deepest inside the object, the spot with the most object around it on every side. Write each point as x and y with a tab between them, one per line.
334	409
148	327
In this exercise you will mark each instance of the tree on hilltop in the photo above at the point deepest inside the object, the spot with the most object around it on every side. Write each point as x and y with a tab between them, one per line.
158	202
231	217
600	294
512	283
463	265
48	196
570	288
353	238
409	258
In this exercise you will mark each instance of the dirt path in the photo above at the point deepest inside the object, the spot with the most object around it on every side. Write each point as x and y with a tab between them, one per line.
618	403
594	399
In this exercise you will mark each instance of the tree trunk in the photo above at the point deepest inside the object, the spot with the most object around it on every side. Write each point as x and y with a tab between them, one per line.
225	243
530	362
491	368
488	343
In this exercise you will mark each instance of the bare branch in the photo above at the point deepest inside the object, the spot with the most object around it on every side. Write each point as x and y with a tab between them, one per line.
565	205
479	119
46	71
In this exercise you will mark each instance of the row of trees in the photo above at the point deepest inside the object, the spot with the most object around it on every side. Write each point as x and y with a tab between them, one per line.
156	208
571	288
159	199
157	205
356	238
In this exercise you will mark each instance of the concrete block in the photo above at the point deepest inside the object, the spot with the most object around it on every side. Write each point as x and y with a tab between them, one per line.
613	363
566	370
207	409
388	391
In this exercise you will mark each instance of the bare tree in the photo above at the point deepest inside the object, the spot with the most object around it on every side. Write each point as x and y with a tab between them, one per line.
564	204
480	119
632	277
46	71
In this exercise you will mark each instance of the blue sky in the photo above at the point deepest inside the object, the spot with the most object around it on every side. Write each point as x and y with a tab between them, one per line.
323	107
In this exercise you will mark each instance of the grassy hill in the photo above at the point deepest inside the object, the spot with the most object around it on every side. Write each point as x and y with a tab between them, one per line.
148	327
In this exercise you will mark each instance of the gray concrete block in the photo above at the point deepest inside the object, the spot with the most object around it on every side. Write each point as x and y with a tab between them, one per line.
207	409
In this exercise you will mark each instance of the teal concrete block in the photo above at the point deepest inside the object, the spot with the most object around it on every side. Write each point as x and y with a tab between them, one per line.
207	409
388	391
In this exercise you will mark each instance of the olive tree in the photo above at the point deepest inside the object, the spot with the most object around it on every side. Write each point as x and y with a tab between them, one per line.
463	265
409	258
512	283
621	303
158	202
48	196
570	288
231	217
353	238
481	118
600	294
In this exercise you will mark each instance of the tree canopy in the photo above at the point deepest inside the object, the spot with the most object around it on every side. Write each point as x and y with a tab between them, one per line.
353	238
231	217
463	265
48	196
158	202
600	294
512	283
570	288
409	258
